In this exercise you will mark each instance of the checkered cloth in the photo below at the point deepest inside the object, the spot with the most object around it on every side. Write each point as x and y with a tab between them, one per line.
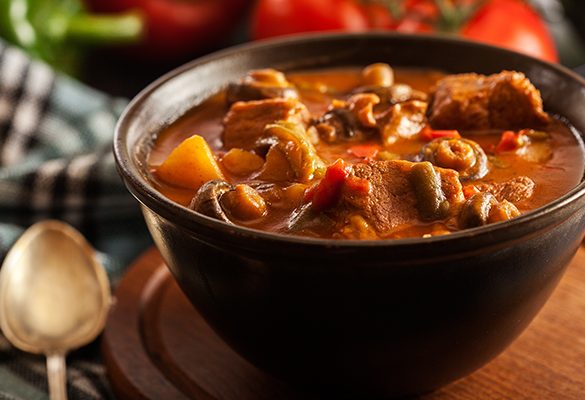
56	162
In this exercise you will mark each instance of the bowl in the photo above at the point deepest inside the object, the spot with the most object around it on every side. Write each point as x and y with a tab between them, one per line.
362	318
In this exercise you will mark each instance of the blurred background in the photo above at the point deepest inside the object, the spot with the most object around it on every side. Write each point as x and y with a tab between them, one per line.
119	46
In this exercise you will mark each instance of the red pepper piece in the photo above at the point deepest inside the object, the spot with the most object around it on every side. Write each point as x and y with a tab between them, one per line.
470	190
364	150
427	134
510	141
327	192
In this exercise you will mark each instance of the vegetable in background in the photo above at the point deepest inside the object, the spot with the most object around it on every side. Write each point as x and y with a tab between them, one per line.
281	17
513	24
508	23
57	31
176	29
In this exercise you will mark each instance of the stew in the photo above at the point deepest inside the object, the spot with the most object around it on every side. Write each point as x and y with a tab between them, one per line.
372	153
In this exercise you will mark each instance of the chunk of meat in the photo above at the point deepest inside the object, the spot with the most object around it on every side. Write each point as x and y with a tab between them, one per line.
404	120
501	101
514	190
394	199
245	122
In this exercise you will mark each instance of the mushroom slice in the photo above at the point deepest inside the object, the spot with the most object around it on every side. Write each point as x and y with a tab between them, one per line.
378	74
349	120
243	203
261	84
484	208
431	200
221	200
292	156
463	155
207	199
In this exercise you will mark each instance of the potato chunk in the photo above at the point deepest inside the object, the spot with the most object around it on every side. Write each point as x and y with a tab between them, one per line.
241	162
190	165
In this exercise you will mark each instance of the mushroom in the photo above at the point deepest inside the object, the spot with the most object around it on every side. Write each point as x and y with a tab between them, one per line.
261	84
379	79
223	201
349	120
207	199
306	219
463	155
432	203
378	74
395	94
483	208
291	155
338	123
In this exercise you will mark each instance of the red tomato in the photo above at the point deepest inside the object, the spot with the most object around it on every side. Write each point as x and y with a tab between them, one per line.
283	17
512	24
177	28
378	16
507	23
414	25
423	9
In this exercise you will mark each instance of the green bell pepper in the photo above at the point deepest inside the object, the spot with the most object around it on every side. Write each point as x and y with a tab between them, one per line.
59	31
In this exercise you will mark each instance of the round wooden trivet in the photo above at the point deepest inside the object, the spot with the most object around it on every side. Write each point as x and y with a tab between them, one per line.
157	346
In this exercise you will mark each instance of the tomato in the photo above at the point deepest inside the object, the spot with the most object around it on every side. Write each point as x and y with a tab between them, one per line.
178	28
378	16
512	24
282	17
507	23
423	9
412	25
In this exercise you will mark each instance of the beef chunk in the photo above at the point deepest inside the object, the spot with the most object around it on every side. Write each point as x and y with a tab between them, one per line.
513	190
404	120
501	101
244	123
393	199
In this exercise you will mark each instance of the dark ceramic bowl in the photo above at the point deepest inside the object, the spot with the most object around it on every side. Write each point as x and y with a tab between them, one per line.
372	318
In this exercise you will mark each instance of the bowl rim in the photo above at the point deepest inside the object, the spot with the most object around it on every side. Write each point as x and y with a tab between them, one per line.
161	205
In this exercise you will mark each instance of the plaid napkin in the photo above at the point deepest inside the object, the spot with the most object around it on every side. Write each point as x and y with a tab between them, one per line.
56	162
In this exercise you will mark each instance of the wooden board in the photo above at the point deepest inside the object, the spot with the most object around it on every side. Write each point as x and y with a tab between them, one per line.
156	346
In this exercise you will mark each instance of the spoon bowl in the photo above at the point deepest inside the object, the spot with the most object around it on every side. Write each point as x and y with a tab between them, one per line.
54	295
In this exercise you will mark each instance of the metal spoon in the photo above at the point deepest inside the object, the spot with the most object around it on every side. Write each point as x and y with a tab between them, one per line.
54	296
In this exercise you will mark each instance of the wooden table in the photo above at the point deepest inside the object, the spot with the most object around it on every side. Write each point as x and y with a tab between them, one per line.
156	346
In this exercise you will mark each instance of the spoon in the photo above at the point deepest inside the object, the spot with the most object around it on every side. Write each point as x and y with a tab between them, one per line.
54	296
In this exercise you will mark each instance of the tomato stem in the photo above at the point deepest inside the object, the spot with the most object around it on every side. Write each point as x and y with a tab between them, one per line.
453	15
394	7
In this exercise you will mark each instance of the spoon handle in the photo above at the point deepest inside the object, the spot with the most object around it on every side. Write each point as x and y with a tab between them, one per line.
57	377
